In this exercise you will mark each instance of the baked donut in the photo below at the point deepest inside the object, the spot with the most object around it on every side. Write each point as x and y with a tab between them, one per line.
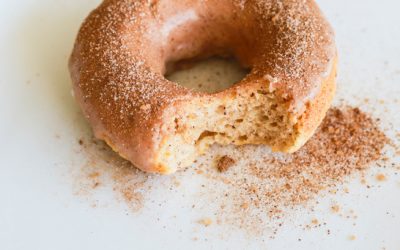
124	48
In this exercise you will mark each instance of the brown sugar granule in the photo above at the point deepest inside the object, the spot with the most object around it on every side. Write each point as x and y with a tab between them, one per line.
335	208
206	222
94	175
244	206
96	184
380	177
224	163
102	166
352	237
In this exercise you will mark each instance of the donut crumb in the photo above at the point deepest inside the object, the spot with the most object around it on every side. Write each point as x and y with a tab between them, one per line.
205	222
380	177
224	163
352	237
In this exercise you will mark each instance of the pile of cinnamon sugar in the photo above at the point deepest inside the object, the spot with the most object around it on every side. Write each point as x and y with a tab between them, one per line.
348	141
267	185
260	185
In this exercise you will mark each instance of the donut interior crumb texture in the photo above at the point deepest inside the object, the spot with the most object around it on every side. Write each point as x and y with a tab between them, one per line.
254	119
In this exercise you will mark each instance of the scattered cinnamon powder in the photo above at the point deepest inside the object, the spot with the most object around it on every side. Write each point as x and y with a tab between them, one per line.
224	163
264	186
348	142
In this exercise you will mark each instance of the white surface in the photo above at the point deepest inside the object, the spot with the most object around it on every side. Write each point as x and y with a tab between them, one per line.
38	208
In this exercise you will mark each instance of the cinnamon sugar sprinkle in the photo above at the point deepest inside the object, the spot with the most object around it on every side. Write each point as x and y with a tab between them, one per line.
262	186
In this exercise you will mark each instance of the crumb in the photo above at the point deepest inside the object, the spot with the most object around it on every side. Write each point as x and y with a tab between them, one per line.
380	177
335	208
244	206
314	221
205	222
224	163
267	186
94	175
352	237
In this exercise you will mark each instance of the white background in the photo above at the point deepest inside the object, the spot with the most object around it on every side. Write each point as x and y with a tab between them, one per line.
40	124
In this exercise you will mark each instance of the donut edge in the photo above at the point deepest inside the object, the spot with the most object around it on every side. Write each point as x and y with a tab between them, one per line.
315	112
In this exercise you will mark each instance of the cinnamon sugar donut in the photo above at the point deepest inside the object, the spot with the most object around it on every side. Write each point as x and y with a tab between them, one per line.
124	47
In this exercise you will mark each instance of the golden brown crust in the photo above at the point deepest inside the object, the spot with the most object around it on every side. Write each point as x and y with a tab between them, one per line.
120	54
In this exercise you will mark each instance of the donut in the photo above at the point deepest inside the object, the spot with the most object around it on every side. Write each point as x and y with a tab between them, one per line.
125	47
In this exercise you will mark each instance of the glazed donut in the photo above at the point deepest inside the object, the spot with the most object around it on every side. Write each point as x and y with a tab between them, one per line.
124	48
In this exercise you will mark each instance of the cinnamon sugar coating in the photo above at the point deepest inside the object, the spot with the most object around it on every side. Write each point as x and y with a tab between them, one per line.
124	48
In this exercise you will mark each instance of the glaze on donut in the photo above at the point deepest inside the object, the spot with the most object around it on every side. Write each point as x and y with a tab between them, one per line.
124	47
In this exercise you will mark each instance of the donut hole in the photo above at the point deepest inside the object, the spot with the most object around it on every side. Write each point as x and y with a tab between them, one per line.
210	75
